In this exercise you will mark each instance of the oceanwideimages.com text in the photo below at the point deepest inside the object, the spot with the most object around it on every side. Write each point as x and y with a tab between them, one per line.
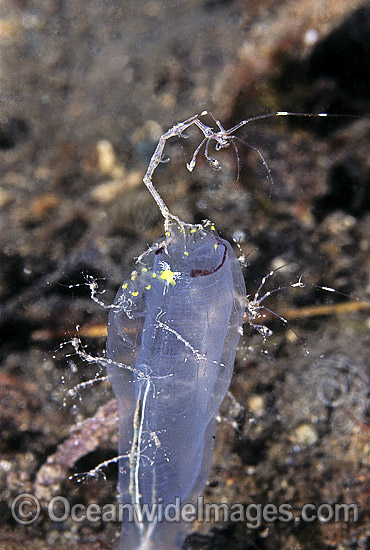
26	510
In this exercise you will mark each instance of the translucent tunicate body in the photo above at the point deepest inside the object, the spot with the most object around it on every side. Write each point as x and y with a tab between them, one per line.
172	339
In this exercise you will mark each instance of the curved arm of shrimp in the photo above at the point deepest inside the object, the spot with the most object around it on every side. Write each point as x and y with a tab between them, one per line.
268	170
237	158
214	163
190	165
222	129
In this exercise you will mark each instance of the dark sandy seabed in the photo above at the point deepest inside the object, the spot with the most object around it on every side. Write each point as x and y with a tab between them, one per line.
87	87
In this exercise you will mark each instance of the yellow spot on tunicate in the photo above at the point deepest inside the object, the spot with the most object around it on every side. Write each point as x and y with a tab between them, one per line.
125	286
168	275
168	233
144	270
154	275
216	246
213	228
193	230
133	277
148	287
186	253
135	293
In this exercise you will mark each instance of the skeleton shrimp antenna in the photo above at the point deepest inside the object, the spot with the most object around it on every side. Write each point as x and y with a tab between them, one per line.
270	115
